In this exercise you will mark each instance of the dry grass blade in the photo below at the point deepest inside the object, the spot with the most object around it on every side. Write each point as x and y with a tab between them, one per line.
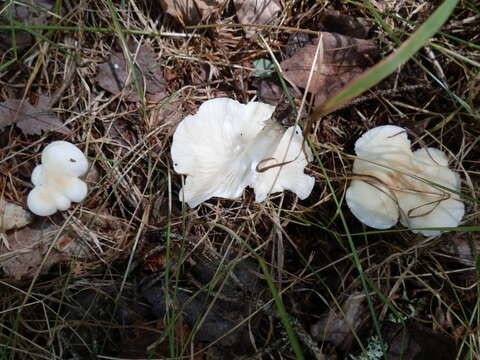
131	272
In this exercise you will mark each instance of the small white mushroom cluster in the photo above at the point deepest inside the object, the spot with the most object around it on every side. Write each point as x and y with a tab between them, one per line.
227	146
56	179
393	182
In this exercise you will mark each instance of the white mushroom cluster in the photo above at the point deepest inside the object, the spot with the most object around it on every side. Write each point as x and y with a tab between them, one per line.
392	182
227	146
56	179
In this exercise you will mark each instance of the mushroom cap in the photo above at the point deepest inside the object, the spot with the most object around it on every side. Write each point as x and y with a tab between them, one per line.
37	175
387	145
44	201
65	157
289	176
56	179
372	204
75	189
396	190
212	148
426	205
382	140
381	151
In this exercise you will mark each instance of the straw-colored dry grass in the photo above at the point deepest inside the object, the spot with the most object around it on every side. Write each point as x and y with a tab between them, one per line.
135	229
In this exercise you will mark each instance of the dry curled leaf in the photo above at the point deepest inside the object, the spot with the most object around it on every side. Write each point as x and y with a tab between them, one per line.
338	327
27	249
13	216
461	247
415	341
168	111
192	12
116	76
256	12
31	119
344	24
26	12
341	59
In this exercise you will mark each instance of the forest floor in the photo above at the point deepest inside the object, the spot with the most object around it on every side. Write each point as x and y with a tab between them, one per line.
133	273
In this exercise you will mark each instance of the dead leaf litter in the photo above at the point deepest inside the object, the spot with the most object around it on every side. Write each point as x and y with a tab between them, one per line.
31	119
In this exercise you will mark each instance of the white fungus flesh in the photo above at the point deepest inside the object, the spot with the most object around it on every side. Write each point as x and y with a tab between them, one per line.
295	156
383	147
392	183
373	204
56	179
220	147
427	205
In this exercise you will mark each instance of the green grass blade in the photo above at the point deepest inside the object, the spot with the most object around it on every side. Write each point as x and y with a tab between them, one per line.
278	301
128	57
388	65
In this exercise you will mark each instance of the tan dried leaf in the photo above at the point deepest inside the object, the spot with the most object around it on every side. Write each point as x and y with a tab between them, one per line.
412	340
26	12
169	111
344	58
192	12
461	247
256	12
115	75
335	21
28	248
6	118
337	326
31	119
13	216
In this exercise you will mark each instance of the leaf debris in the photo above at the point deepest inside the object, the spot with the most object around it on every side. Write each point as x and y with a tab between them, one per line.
31	119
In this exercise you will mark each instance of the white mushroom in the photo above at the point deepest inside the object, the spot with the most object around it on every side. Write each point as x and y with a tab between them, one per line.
371	200
372	203
393	182
289	176
56	179
220	147
428	206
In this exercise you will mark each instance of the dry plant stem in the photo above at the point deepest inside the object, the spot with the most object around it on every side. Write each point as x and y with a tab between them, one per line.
269	27
136	191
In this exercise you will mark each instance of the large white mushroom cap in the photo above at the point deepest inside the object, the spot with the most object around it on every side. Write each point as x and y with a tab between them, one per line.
220	147
56	179
394	182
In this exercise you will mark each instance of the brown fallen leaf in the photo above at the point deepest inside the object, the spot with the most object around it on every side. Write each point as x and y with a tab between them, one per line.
26	12
192	12
337	326
460	247
13	216
295	41
268	91
256	12
28	248
6	116
169	110
31	119
222	321
344	24
114	74
415	341
23	251
344	58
